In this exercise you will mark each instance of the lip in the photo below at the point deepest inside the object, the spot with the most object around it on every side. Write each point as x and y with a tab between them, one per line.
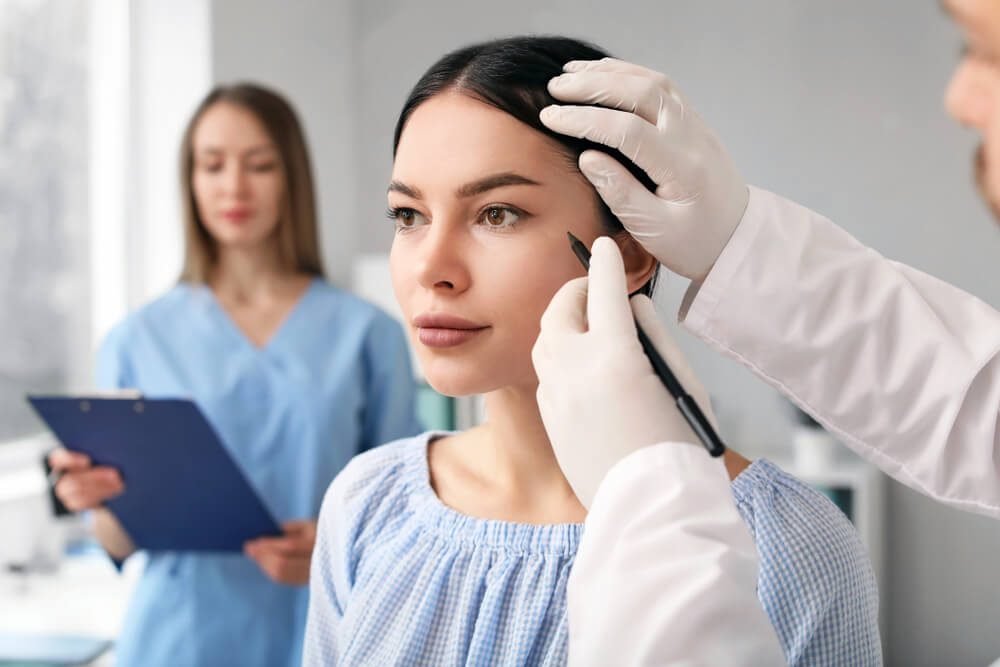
237	214
443	330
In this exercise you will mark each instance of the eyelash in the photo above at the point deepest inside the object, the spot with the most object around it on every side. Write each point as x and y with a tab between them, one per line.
258	168
394	213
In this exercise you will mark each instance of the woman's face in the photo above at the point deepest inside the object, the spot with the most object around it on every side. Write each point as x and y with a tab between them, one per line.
238	178
482	204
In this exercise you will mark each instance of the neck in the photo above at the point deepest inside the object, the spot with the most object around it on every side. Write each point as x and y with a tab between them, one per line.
249	272
516	448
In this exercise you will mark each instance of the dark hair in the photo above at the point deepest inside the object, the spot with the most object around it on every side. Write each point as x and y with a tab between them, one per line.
298	236
512	75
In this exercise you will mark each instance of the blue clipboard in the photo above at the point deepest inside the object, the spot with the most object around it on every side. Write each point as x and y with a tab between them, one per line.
183	491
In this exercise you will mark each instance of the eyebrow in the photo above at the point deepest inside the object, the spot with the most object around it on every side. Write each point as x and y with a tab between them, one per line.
470	189
212	150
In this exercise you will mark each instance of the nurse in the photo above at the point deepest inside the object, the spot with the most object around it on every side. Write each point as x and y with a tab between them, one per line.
904	368
295	375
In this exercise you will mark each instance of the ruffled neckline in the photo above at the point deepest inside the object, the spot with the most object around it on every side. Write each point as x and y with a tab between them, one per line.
560	539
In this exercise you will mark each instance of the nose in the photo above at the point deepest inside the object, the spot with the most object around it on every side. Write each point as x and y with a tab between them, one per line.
234	181
442	263
969	96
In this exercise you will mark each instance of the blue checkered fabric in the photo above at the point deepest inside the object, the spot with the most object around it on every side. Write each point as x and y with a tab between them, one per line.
816	581
398	578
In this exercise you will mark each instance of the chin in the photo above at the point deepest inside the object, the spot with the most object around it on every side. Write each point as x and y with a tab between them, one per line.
247	235
458	376
457	384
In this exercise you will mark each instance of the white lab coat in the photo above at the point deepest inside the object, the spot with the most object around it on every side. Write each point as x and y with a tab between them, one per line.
902	367
666	573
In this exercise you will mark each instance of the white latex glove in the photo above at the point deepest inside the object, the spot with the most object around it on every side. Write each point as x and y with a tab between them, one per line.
598	395
700	197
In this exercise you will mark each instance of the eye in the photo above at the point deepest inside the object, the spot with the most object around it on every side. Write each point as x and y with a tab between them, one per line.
499	217
263	167
210	167
405	217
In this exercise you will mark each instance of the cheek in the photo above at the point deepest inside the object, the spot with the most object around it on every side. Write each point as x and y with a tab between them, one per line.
534	278
201	187
270	190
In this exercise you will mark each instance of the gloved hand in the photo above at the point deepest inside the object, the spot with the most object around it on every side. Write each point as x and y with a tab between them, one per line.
700	197
598	395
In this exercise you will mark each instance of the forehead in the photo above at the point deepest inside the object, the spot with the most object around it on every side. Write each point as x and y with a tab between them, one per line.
453	138
225	125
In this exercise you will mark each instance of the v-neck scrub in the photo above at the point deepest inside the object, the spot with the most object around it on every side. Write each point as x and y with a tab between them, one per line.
334	380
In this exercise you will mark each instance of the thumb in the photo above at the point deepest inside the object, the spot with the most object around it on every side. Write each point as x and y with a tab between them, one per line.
567	311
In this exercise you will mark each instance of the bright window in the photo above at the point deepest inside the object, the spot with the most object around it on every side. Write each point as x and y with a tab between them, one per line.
45	303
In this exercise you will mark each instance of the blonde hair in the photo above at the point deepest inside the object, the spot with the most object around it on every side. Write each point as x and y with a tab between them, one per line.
297	232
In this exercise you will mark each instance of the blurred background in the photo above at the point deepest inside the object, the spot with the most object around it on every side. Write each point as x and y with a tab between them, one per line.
834	105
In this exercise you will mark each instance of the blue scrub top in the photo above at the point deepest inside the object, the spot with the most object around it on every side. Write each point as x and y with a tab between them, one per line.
333	381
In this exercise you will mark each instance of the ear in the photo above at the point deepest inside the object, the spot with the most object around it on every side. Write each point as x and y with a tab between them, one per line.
640	265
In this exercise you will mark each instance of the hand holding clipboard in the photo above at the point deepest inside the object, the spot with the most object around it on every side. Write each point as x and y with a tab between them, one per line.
182	489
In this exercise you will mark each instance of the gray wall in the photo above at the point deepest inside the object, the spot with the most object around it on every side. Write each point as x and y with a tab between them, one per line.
835	105
303	49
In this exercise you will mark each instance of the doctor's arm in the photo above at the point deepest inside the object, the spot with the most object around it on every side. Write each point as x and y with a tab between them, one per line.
902	367
666	572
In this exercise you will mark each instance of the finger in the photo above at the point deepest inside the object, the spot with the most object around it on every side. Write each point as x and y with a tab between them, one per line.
627	198
643	96
637	139
567	311
647	317
614	65
303	531
607	301
98	483
298	527
106	474
63	459
283	546
283	569
80	491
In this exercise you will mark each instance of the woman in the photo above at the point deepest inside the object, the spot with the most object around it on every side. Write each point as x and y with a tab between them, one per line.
295	375
455	549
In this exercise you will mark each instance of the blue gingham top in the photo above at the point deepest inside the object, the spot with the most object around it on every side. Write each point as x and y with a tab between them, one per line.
398	578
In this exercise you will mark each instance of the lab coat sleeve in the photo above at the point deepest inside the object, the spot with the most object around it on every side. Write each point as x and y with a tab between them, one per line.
666	572
902	367
390	406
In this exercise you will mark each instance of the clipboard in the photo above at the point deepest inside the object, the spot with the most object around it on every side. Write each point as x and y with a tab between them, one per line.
183	491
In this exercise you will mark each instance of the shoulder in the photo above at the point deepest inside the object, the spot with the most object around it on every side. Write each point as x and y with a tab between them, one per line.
816	581
171	306
376	482
783	510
